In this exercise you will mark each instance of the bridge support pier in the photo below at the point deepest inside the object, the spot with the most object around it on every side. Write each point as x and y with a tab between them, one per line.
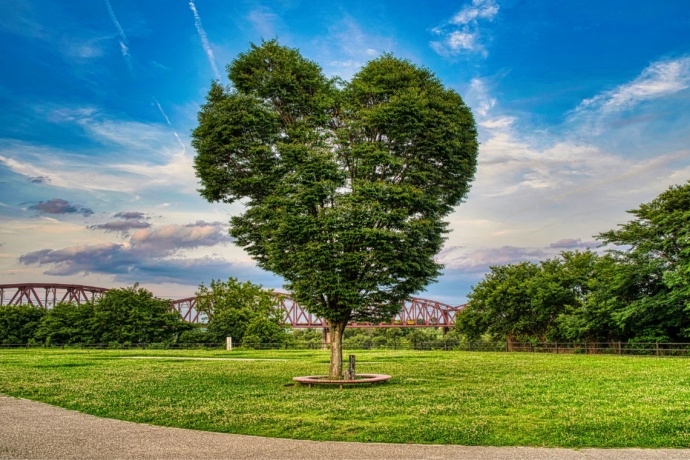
325	338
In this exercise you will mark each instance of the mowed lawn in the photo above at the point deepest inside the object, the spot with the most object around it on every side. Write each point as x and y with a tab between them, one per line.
492	399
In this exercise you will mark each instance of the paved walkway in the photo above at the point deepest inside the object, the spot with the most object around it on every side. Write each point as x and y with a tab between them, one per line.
31	430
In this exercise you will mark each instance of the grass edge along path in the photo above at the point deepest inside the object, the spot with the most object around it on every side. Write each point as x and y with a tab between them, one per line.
490	399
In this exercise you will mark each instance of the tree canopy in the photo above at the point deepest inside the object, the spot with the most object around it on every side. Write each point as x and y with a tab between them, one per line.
651	280
638	291
345	184
244	311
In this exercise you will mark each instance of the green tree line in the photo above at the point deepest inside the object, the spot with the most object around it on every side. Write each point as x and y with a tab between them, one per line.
243	311
639	290
127	315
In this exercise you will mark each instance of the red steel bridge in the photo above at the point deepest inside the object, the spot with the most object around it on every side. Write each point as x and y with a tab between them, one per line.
415	312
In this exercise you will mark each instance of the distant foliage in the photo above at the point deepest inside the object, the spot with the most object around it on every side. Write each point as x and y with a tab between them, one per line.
134	315
18	324
244	311
67	323
639	291
127	315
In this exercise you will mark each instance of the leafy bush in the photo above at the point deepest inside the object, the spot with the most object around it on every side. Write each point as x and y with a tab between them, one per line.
18	324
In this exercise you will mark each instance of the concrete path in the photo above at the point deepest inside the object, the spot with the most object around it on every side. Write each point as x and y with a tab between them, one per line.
31	430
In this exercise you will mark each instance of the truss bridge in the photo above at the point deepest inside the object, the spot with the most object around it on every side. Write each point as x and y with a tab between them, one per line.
415	312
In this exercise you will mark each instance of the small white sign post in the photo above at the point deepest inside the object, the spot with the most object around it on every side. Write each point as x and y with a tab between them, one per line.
228	343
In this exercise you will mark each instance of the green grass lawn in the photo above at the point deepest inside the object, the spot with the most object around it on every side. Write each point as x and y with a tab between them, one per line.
492	399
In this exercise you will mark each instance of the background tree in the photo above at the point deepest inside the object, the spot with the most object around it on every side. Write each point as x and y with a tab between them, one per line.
263	330
591	319
19	323
345	185
134	315
528	301
67	323
650	292
236	309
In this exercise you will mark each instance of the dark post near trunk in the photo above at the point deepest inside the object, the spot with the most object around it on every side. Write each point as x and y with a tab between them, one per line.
350	373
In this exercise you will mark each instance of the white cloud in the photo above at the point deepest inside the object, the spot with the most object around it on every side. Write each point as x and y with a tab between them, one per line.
659	80
148	156
124	41
484	9
263	20
482	101
458	41
461	34
538	192
347	47
204	40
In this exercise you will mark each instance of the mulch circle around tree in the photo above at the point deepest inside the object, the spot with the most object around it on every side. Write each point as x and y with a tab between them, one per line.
324	380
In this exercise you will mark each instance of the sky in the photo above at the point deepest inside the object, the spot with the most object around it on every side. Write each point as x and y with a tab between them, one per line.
582	110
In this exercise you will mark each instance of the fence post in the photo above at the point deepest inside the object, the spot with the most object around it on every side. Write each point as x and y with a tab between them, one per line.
531	348
228	343
556	347
657	348
507	345
620	349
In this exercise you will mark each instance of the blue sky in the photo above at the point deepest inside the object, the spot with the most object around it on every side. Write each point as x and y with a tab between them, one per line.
582	109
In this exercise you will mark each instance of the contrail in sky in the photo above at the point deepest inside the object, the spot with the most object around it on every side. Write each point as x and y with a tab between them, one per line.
160	109
124	43
204	40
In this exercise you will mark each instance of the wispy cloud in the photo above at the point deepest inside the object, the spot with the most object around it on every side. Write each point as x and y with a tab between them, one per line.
147	158
263	20
612	108
204	40
167	120
124	42
348	47
539	192
660	79
461	34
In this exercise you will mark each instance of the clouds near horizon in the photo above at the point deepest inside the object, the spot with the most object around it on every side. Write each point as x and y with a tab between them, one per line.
150	246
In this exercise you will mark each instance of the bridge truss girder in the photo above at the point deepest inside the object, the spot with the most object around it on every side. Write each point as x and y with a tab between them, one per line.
415	312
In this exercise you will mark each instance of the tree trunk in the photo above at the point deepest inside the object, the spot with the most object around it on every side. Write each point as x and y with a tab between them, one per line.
336	368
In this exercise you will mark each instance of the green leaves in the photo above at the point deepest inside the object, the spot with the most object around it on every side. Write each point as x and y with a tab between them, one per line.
19	323
346	184
653	257
134	315
243	311
529	301
640	291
